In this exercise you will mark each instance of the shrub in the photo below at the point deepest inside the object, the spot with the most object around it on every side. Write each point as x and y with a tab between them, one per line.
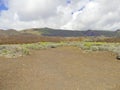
94	48
25	51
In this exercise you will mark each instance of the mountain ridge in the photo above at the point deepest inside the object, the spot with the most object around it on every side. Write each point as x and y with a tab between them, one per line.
61	32
72	33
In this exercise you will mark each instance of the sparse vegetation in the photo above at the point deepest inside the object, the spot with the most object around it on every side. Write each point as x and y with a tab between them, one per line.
24	49
10	51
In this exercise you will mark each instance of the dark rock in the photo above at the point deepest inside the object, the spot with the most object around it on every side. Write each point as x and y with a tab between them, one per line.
118	57
53	46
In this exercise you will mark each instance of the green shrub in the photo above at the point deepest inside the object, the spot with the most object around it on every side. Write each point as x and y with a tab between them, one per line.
5	51
25	51
94	48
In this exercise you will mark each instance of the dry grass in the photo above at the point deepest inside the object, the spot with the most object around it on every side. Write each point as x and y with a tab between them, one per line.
24	49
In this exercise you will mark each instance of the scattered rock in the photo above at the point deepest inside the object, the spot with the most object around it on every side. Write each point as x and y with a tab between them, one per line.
118	57
53	46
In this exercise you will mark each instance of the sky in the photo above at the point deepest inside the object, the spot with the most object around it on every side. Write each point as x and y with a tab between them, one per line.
60	14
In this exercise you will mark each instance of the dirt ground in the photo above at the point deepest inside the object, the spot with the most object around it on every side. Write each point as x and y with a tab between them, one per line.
63	68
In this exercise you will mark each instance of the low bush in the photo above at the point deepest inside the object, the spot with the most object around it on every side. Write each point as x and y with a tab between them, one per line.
24	49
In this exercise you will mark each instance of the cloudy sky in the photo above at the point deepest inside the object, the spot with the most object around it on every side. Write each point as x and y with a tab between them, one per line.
60	14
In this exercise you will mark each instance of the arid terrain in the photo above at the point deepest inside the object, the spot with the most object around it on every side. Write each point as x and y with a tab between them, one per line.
61	68
35	35
59	45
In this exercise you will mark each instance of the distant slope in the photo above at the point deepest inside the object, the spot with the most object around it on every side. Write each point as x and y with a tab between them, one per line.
59	32
69	33
53	32
16	37
56	35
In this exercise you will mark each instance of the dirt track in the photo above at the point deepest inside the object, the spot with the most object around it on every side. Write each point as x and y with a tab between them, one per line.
64	68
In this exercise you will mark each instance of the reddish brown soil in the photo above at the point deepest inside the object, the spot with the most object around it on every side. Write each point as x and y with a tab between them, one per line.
63	68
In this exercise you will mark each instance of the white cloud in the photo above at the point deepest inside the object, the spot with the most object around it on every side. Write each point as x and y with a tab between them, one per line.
34	9
79	14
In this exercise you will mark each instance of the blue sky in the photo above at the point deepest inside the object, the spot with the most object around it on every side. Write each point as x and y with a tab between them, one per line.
2	6
69	1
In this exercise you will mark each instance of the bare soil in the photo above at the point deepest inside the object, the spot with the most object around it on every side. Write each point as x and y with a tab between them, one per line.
63	68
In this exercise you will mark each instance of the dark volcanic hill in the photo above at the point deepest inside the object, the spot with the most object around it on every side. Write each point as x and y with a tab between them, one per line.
59	32
69	33
54	35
